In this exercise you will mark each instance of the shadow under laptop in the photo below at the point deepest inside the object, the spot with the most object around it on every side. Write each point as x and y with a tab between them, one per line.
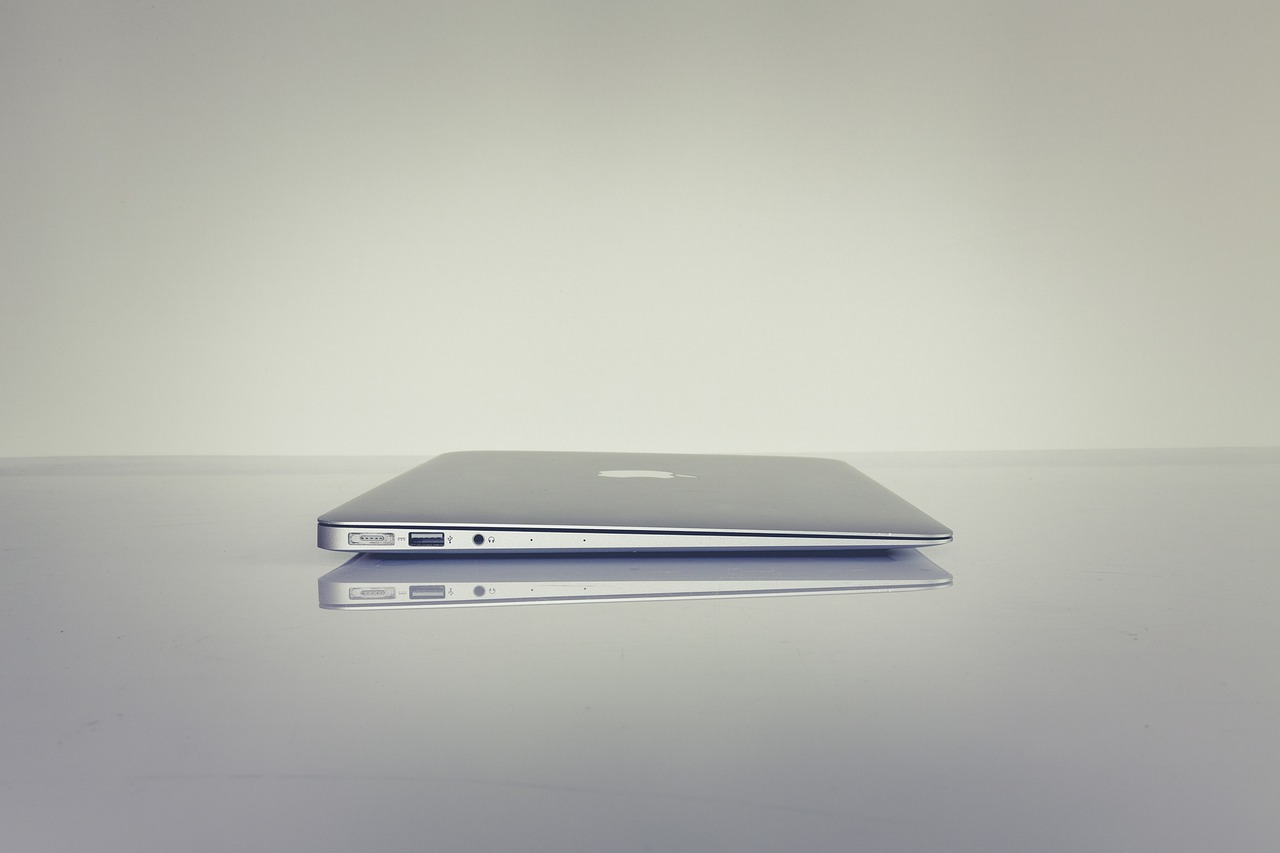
399	581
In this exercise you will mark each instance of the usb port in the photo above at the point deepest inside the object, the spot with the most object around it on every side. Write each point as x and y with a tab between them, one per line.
430	590
420	539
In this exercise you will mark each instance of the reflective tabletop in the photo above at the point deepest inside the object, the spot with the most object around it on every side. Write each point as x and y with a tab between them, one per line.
1101	676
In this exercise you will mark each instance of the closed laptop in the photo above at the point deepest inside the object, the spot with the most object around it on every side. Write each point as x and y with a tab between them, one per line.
557	502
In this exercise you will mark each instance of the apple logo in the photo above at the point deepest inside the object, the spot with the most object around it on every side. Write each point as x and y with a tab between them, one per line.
655	475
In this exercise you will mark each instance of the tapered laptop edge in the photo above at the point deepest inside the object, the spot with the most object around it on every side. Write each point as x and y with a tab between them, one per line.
506	502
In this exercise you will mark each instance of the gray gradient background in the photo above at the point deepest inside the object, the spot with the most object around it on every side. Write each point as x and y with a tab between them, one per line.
312	228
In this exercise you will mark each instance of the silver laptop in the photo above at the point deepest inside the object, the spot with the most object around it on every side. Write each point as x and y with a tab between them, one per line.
550	502
404	581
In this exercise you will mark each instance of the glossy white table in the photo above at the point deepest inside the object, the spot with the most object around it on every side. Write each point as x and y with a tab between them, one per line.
1102	676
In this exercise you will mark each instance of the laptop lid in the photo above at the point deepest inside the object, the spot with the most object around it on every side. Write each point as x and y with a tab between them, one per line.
517	501
406	581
